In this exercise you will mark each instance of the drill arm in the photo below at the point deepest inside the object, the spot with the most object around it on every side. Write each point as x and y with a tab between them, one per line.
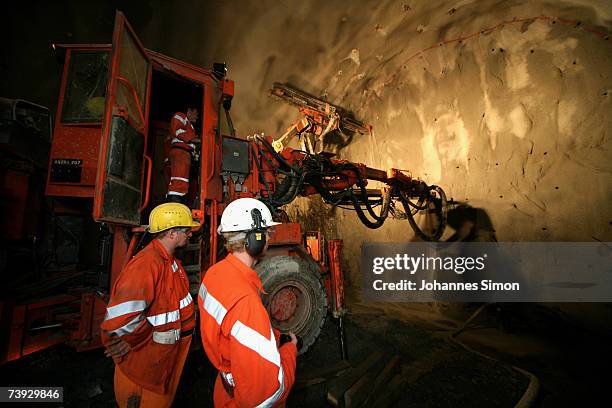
319	117
343	183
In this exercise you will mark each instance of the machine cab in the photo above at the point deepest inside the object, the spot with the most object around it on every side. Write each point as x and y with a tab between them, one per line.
115	105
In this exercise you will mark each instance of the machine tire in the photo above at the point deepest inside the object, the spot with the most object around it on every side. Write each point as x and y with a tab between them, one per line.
296	281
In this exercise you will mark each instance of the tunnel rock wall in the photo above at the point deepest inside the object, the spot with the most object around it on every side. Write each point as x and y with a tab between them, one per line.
503	104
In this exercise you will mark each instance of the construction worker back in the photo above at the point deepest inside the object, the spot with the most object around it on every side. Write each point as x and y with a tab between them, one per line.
239	340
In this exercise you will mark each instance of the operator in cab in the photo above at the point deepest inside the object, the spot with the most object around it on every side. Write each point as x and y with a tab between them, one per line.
179	149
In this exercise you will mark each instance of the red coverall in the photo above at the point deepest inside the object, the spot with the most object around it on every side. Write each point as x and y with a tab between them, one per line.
150	309
179	154
239	341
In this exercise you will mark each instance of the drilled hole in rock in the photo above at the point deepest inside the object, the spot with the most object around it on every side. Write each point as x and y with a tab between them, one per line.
573	62
501	50
532	51
501	196
545	153
543	228
557	187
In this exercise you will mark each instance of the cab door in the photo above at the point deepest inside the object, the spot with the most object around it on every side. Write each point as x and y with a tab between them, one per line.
122	185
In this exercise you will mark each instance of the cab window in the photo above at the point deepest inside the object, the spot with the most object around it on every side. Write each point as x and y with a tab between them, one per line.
86	87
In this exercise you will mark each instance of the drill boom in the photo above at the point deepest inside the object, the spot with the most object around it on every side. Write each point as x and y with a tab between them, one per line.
318	109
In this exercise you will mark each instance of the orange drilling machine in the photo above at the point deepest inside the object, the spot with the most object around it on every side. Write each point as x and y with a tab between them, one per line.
106	173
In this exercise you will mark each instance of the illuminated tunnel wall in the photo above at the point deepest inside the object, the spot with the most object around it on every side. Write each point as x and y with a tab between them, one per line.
505	105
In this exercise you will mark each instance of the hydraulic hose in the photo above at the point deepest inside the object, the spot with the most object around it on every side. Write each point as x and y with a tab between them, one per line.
274	153
380	219
265	183
443	215
292	190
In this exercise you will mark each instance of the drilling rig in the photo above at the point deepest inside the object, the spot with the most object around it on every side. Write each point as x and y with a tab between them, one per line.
106	173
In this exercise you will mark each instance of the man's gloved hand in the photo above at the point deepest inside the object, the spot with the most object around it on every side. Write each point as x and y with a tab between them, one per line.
290	337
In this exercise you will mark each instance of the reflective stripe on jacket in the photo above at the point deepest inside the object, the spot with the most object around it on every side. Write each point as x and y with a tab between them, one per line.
149	306
238	337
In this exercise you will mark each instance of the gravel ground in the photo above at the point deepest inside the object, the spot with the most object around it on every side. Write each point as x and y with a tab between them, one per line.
436	373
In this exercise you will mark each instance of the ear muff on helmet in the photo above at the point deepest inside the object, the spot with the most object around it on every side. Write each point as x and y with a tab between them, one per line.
255	240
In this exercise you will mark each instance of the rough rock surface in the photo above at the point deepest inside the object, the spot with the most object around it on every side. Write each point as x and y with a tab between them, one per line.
505	104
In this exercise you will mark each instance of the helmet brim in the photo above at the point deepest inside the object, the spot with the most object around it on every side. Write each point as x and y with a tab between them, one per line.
272	224
195	226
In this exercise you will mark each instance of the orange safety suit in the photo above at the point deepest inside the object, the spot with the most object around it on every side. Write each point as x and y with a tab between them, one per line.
180	149
239	340
151	309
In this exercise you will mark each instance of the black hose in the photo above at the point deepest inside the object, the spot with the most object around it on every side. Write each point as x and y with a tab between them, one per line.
276	168
283	187
380	219
317	164
293	190
289	190
314	168
364	197
443	215
274	153
363	218
265	183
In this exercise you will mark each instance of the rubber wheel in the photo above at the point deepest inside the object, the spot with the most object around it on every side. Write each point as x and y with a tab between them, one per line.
295	296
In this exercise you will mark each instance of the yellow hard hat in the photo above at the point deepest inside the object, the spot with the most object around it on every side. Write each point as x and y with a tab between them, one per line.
170	215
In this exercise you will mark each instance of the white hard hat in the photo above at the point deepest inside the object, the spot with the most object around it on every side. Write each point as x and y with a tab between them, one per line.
237	216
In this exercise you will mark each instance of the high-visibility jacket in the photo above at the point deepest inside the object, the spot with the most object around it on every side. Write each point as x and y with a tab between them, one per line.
150	308
238	337
182	132
179	149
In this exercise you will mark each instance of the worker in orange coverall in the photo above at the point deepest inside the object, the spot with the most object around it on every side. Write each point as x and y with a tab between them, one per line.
150	317
236	331
180	148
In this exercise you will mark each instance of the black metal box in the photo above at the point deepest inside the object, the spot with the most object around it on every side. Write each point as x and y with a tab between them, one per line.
235	156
